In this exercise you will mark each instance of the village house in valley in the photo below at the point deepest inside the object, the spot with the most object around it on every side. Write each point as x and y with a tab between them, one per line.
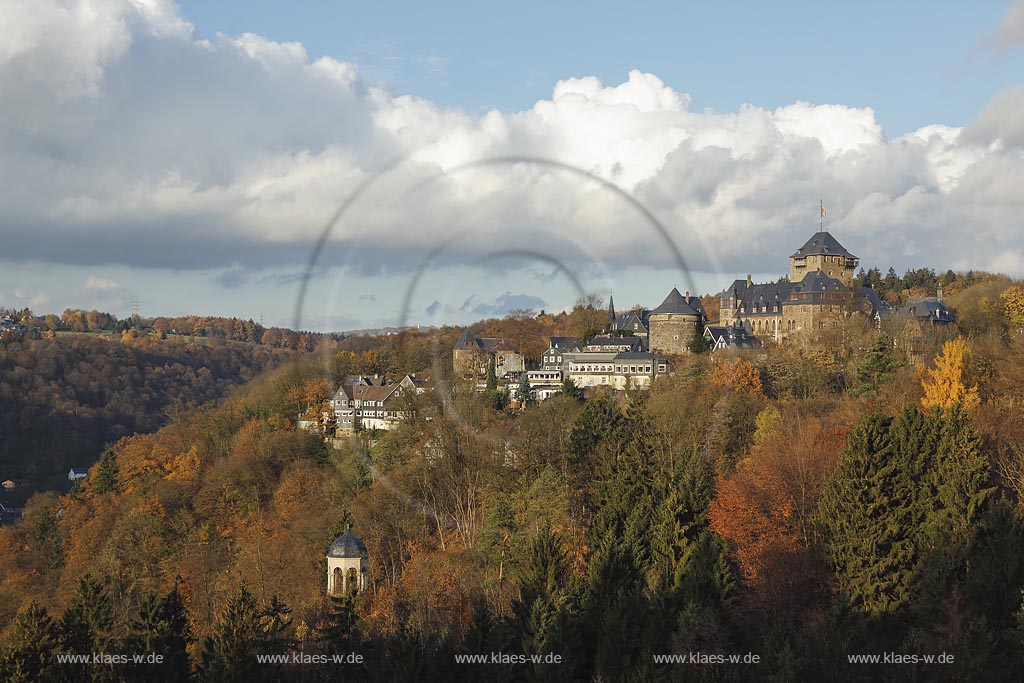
371	402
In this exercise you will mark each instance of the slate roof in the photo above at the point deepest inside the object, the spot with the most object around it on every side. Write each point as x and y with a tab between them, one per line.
625	321
817	283
677	303
608	340
810	289
466	340
592	356
637	355
363	392
822	244
734	336
752	296
565	343
375	380
414	381
347	545
926	309
875	302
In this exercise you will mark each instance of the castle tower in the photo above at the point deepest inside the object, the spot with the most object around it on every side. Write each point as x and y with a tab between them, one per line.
675	323
348	565
823	252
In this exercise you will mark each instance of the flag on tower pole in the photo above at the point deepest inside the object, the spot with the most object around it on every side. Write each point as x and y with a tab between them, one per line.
821	221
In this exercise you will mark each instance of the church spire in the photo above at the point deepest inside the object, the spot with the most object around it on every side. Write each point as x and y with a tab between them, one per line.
611	309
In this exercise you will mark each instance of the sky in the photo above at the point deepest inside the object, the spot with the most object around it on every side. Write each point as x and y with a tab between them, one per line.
421	164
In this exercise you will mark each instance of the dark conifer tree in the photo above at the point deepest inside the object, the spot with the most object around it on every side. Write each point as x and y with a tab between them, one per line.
161	628
86	627
105	479
869	511
27	652
244	630
492	377
877	365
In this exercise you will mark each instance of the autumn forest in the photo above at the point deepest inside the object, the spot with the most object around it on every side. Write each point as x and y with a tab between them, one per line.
802	503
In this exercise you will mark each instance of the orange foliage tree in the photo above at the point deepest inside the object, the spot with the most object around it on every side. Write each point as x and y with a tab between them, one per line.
765	510
737	375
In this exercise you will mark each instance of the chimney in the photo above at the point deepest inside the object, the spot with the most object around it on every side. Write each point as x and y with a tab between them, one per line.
938	294
749	280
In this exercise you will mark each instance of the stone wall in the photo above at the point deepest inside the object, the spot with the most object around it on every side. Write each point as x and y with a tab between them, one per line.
469	362
839	267
671	332
809	321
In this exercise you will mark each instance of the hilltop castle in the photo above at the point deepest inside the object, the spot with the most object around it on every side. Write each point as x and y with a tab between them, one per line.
818	294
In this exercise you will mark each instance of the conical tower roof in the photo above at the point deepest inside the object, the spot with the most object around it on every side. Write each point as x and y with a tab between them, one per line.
822	244
675	303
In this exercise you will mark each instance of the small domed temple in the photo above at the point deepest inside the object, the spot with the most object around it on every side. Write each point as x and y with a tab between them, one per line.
348	565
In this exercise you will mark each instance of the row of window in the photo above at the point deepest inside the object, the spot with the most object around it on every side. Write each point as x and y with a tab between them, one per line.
621	369
375	413
345	404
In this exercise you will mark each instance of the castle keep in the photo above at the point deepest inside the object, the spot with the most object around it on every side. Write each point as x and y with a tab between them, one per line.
819	294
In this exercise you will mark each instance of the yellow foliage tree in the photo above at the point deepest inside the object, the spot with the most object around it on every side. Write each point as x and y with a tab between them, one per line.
1013	305
949	382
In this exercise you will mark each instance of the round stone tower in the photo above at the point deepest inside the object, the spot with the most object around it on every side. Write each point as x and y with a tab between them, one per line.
675	323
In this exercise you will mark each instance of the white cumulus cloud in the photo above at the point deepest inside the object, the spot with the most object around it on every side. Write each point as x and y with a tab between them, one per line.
127	138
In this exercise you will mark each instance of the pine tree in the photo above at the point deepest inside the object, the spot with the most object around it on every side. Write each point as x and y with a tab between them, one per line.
27	652
570	389
341	634
878	363
341	631
960	478
275	623
229	654
524	390
161	627
105	478
542	576
492	377
86	627
901	509
870	514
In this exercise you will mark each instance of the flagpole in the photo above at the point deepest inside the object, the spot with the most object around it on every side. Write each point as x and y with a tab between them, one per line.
821	216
